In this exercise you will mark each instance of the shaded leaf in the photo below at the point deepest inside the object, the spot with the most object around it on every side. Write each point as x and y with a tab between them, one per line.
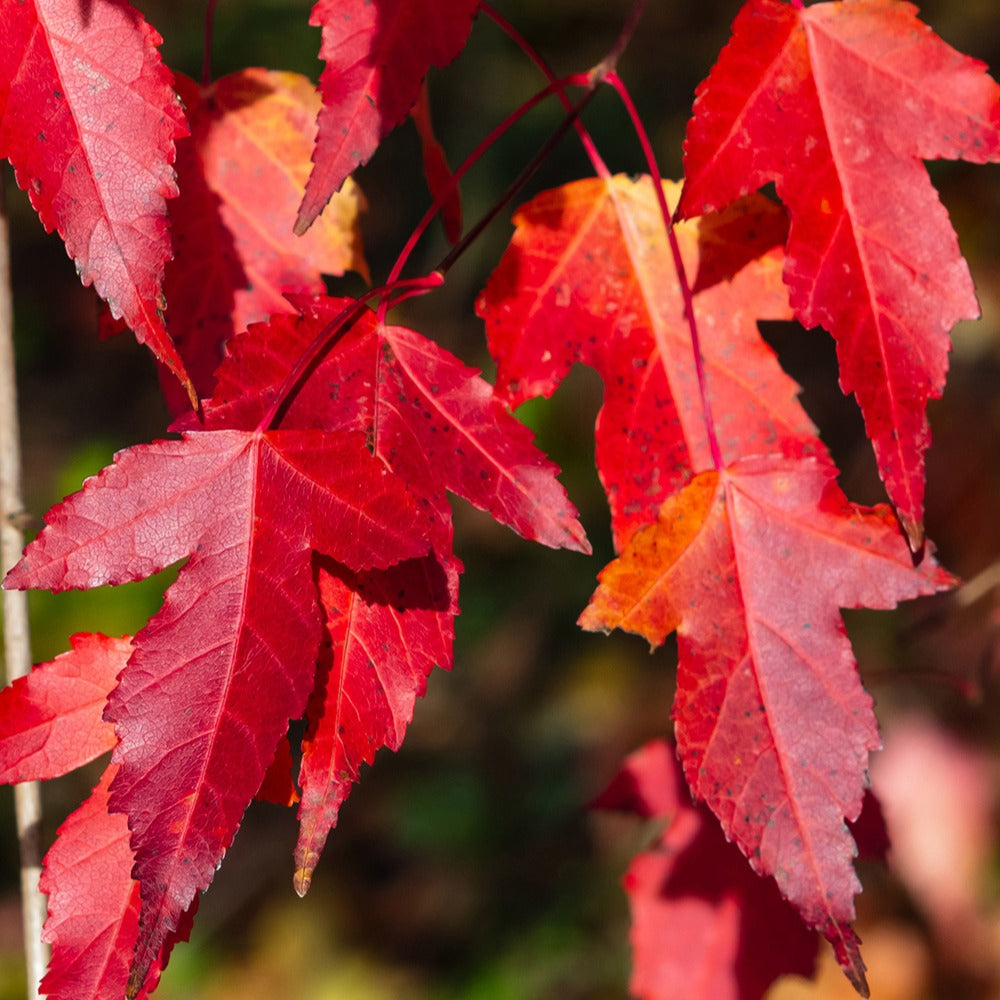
438	174
388	629
242	173
704	926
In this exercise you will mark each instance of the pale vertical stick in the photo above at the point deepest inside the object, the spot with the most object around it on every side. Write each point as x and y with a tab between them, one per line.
17	638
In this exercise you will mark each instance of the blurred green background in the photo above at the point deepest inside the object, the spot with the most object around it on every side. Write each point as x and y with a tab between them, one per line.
468	864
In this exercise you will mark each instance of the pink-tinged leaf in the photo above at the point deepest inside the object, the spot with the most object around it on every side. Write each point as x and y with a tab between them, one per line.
837	103
750	565
387	631
704	926
377	53
434	421
941	797
231	655
92	943
589	277
51	720
440	181
88	118
242	174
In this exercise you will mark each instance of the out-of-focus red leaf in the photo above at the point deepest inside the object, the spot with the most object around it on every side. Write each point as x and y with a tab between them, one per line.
433	420
231	655
436	169
90	863
377	53
704	926
51	721
837	103
388	629
242	174
88	119
588	277
926	772
750	565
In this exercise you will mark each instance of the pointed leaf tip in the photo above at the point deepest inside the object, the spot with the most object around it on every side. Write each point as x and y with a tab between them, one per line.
376	57
302	880
915	538
847	949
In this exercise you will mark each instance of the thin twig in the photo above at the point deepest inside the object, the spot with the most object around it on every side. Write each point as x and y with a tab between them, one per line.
600	168
206	59
17	638
612	78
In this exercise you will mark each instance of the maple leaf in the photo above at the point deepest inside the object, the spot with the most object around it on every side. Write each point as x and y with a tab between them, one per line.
588	277
387	629
249	508
837	103
750	565
52	723
242	174
703	924
92	945
377	55
51	719
88	120
431	419
436	423
242	618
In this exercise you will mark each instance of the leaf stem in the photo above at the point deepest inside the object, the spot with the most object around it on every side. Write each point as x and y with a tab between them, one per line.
206	58
469	162
17	635
612	78
600	168
610	62
528	170
333	330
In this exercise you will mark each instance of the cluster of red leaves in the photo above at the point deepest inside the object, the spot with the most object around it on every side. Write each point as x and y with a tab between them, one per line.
307	490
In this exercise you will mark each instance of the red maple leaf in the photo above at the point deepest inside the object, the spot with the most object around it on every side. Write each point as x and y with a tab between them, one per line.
704	926
52	723
430	418
88	119
242	173
837	103
92	945
247	508
588	277
377	55
388	629
750	565
51	720
232	655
